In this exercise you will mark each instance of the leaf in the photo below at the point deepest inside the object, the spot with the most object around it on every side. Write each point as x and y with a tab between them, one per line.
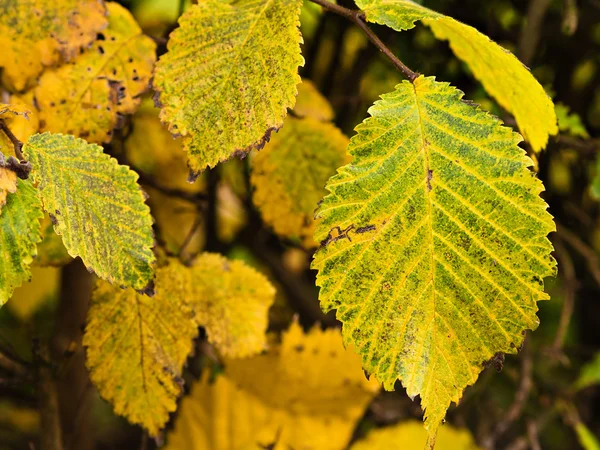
590	374
498	70
19	234
34	35
98	207
137	345
8	185
19	119
42	289
595	185
290	173
570	122
229	76
311	103
231	300
434	243
87	96
410	435
51	251
307	392
586	438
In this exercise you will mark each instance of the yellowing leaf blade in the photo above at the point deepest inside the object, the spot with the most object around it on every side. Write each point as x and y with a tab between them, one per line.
87	96
434	243
19	234
34	35
498	70
226	100
98	207
136	348
290	173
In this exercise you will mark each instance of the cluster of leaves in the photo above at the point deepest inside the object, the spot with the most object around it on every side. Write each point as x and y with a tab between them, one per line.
431	236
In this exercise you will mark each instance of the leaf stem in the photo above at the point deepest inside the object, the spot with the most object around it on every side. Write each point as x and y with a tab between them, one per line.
17	144
358	17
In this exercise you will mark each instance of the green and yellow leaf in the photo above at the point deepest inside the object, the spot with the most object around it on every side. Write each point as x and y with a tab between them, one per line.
97	205
590	374
231	301
498	70
433	243
8	185
412	436
290	173
137	345
86	96
34	35
227	99
19	235
307	392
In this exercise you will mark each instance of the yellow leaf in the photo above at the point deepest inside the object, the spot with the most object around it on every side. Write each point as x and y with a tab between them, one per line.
232	301
12	110
30	297
137	345
498	70
19	234
311	103
290	173
231	214
34	35
86	96
307	392
51	251
152	150
20	119
434	243
412	436
97	205
8	184
227	99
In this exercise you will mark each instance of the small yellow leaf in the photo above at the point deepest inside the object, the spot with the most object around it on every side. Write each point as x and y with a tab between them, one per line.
86	96
498	70
226	99
412	436
307	392
137	345
231	300
41	289
8	184
290	173
34	35
311	103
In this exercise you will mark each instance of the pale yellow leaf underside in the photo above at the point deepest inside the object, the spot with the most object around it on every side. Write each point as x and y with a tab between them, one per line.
498	70
434	243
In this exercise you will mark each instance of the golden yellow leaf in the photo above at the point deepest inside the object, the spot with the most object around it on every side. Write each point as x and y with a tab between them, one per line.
31	296
227	99
306	393
498	70
51	251
86	96
41	33
20	119
311	103
290	173
137	345
412	436
231	300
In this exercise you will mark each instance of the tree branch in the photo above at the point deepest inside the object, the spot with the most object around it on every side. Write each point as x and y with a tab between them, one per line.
593	262
358	17
570	288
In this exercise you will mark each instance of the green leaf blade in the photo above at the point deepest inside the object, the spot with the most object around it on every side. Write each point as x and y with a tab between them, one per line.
19	234
433	243
98	207
225	99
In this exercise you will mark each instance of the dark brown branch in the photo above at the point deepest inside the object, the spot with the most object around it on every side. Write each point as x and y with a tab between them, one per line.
358	17
570	287
50	429
593	262
530	37
14	367
19	166
17	144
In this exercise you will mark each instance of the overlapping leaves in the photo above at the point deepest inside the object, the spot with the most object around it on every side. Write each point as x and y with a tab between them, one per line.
434	244
498	70
229	76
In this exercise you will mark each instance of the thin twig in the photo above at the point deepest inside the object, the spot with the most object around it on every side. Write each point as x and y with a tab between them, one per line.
570	17
570	287
358	17
530	37
591	257
516	409
532	433
179	193
17	144
193	230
